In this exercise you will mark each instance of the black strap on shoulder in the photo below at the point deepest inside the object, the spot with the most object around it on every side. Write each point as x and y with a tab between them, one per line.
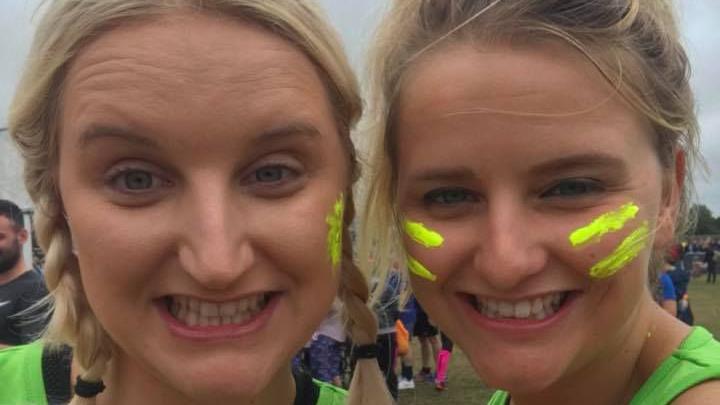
56	365
306	392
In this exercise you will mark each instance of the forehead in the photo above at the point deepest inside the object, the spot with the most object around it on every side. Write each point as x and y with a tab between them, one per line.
544	90
543	79
6	225
185	63
189	47
507	110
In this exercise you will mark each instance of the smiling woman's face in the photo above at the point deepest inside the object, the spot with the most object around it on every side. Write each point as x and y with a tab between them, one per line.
199	160
502	153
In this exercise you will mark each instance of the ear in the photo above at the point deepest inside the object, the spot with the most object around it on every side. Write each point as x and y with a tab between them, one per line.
22	235
673	183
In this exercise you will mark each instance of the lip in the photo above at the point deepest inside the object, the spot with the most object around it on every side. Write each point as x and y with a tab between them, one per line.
522	329
220	332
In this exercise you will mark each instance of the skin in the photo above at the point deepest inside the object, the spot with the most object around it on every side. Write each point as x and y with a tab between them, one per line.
505	150
228	131
12	238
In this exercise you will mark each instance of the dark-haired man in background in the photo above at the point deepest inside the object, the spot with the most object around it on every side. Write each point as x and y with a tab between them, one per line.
20	287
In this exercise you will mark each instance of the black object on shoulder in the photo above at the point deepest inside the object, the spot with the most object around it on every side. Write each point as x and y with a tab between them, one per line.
366	351
56	366
306	391
88	389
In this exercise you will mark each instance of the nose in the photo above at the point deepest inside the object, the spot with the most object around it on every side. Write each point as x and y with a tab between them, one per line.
215	248
510	251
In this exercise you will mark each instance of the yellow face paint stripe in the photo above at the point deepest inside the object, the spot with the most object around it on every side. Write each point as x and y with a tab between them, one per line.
608	222
419	270
423	235
335	226
629	248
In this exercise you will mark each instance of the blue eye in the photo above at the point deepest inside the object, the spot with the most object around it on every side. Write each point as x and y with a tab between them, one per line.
134	180
573	188
271	174
138	180
449	196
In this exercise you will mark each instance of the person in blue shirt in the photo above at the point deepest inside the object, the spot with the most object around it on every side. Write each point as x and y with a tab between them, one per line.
666	295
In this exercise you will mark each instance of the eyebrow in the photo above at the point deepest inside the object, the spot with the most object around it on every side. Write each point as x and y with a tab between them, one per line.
444	174
283	132
581	161
562	164
97	132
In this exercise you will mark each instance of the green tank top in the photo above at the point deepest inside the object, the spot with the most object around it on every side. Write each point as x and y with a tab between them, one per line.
695	361
21	374
330	394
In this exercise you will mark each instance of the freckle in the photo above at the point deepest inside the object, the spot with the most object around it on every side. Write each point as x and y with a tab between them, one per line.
593	255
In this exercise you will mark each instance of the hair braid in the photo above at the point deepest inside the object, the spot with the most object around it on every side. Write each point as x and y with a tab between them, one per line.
367	382
71	319
354	291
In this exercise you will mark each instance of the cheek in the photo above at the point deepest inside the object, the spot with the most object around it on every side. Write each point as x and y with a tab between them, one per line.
613	253
434	262
296	239
119	257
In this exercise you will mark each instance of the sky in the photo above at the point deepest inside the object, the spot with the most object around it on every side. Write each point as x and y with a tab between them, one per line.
356	19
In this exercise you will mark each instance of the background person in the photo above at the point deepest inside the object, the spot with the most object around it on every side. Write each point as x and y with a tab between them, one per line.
20	287
710	261
326	350
667	296
387	311
427	335
407	320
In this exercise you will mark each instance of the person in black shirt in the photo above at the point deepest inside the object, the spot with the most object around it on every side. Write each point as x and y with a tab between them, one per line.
20	288
710	260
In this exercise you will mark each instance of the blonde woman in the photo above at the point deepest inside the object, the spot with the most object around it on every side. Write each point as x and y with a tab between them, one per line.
191	167
535	158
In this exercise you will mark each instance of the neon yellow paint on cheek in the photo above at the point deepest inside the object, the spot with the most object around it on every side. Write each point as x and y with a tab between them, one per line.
629	248
419	270
335	226
423	235
608	222
426	237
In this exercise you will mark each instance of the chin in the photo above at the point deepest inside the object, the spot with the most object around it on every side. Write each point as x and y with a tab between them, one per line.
518	374
230	388
219	380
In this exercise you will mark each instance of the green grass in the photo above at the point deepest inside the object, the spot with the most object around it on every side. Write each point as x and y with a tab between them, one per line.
465	388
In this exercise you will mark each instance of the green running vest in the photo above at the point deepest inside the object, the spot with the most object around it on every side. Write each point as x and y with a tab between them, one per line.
695	361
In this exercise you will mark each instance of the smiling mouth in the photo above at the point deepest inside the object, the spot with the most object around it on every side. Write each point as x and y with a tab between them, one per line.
196	312
537	308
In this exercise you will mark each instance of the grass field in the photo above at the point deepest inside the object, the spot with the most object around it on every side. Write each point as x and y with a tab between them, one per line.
465	389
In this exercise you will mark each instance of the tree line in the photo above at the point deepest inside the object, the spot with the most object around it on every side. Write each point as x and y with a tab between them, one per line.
706	224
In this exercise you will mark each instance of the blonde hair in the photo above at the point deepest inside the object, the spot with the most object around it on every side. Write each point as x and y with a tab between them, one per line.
633	43
66	27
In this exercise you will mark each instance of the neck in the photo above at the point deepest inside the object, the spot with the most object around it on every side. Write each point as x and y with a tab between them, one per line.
13	273
617	373
128	383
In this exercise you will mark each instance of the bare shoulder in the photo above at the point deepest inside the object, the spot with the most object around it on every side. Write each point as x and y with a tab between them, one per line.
705	393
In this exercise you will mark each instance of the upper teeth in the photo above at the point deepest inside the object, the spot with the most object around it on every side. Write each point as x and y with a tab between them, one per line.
536	308
195	312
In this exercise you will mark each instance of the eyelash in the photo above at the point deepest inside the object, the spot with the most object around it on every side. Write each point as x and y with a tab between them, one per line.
285	171
588	186
453	196
117	175
440	196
